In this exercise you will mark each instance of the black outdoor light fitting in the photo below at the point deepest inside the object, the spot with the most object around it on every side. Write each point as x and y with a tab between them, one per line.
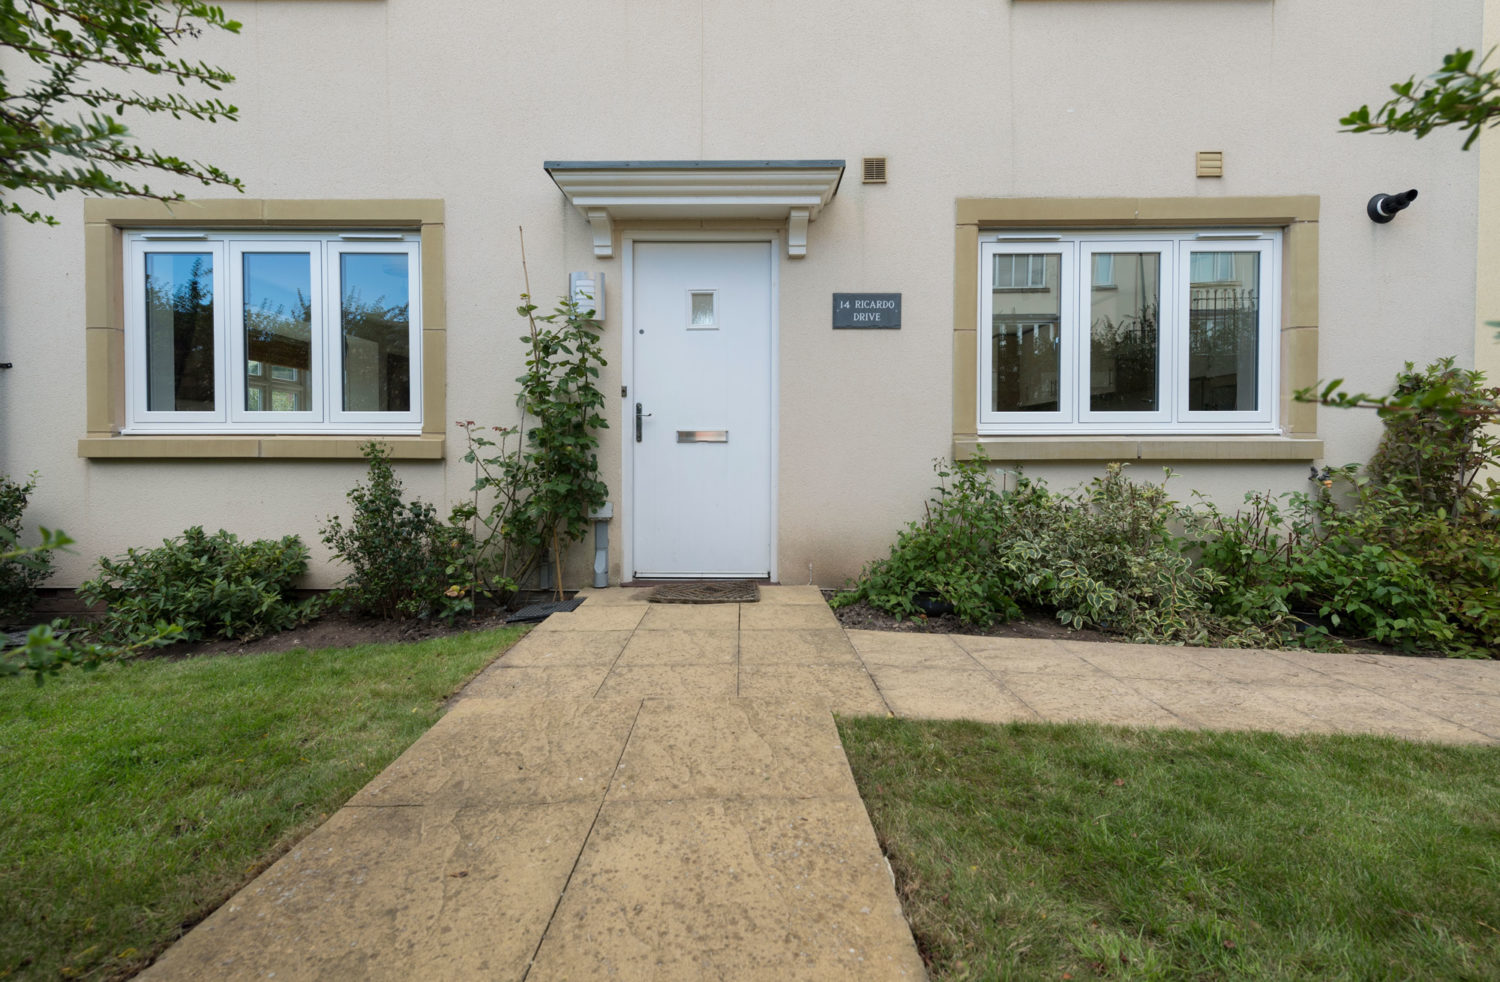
1383	207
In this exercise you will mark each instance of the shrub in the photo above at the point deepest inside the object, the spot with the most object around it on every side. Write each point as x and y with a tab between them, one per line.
1401	572
208	585
20	574
1104	557
953	553
1253	553
1438	441
404	561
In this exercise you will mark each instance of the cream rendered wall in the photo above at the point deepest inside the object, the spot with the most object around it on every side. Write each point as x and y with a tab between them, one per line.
1487	264
970	98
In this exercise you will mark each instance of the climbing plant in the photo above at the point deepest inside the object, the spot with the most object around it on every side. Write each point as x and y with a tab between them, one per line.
542	490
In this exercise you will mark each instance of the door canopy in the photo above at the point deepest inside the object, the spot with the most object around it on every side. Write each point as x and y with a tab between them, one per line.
611	191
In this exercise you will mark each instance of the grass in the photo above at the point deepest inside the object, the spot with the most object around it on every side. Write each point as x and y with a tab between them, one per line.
139	797
1071	851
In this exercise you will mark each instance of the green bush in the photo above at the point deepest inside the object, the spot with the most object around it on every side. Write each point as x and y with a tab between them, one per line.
404	561
208	585
1105	557
953	554
1437	444
1398	571
21	574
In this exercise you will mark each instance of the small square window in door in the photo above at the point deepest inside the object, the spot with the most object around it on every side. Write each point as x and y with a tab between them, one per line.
703	314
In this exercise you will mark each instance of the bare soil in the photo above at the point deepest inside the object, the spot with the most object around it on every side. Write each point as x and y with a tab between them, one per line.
333	630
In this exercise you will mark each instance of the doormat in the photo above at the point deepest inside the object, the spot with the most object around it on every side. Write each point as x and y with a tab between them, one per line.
708	592
539	612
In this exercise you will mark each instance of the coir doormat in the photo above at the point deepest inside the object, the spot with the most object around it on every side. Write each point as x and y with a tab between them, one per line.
708	592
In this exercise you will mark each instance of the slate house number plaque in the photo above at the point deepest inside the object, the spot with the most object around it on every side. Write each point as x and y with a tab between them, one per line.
866	310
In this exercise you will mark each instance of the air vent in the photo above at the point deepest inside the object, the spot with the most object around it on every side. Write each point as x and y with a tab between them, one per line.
874	170
1210	163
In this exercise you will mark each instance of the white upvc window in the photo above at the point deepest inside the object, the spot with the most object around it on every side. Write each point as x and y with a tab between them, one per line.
246	332
1138	332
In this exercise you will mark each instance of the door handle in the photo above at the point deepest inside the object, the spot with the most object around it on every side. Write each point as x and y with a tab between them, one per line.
638	417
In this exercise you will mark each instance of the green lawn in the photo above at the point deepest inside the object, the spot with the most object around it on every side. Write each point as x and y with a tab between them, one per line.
139	797
1070	851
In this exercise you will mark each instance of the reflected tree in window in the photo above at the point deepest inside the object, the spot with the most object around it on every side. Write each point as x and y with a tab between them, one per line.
377	353
1124	357
179	332
1223	332
280	337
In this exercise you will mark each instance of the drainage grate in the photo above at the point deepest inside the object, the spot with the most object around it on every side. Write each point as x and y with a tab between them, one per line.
710	592
540	612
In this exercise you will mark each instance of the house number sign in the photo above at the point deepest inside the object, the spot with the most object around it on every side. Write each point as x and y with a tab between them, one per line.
866	310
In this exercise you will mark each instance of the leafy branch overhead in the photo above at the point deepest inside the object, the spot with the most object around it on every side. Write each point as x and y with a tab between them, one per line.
1459	94
62	131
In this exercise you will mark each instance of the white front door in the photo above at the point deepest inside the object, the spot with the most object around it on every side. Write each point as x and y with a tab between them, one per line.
700	409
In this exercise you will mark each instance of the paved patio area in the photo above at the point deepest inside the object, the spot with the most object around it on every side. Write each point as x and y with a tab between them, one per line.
658	792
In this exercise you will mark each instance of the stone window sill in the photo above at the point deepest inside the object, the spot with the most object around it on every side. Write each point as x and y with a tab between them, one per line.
1115	448
224	447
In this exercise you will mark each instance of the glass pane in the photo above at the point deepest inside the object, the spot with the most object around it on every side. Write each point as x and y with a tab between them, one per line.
703	310
179	331
1124	336
374	314
278	331
1025	342
1224	332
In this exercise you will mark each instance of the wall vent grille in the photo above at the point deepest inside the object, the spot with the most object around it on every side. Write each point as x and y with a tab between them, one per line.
874	170
1210	163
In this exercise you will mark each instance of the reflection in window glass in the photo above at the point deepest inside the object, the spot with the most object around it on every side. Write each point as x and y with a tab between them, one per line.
1223	331
1025	348
1023	272
374	316
278	331
179	331
703	310
1124	336
1104	269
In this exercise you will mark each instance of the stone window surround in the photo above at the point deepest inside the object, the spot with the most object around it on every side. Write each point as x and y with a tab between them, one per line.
104	220
1296	216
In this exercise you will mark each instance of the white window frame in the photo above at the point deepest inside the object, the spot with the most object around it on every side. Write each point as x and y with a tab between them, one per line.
325	414
1074	416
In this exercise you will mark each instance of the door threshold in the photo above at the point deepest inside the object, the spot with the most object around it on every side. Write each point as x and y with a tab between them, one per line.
669	580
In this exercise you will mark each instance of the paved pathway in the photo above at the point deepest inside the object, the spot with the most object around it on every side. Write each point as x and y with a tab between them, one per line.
658	792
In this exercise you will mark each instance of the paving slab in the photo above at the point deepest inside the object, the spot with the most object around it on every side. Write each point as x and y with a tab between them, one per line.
811	646
605	617
1352	709
845	689
1228	706
1142	661
750	889
442	891
927	693
1028	656
677	617
681	647
1252	665
911	650
1474	711
786	616
792	595
671	682
731	749
562	682
509	751
1109	700
615	596
550	649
